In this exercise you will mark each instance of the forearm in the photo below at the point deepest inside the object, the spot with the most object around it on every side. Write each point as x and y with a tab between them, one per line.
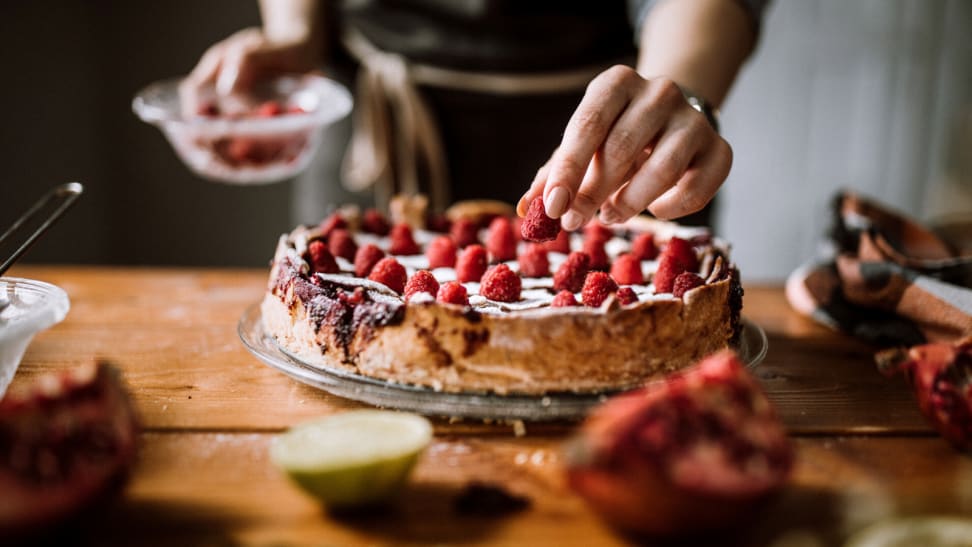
699	44
292	21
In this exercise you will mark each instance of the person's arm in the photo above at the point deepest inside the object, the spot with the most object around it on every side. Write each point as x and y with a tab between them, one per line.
289	41
634	142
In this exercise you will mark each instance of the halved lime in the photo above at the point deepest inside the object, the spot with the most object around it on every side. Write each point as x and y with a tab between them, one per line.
354	458
916	531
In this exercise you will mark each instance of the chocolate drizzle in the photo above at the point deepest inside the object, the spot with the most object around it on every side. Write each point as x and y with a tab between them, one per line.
343	311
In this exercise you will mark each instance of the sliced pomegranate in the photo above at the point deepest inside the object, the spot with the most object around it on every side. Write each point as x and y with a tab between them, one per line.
66	441
687	455
941	377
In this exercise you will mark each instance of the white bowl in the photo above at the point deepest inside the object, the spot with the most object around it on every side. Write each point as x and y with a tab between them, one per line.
26	308
212	145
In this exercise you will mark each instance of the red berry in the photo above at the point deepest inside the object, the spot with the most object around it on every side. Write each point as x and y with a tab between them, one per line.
464	232
570	275
321	261
353	298
453	293
390	273
594	249
685	282
626	270
533	261
596	231
678	256
626	295
471	264
597	287
373	222
559	245
537	226
332	223
340	243
500	283
684	252
441	252
517	223
643	247
365	259
421	281
269	109
208	109
438	223
402	242
563	299
500	241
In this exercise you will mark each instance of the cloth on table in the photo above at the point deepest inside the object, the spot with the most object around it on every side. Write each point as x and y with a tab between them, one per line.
887	278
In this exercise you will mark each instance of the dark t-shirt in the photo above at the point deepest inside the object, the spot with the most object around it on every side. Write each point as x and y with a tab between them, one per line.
497	35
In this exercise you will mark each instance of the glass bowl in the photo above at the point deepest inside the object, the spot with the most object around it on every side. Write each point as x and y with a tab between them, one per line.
26	308
229	139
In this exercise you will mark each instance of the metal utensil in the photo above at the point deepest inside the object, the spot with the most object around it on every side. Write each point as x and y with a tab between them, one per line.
58	200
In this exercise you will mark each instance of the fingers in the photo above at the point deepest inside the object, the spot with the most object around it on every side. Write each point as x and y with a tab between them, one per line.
687	138
699	183
535	190
606	97
237	68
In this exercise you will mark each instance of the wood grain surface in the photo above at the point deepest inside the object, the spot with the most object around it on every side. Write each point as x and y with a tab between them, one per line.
209	409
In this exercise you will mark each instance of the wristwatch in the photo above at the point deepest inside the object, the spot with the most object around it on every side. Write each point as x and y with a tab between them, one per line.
710	112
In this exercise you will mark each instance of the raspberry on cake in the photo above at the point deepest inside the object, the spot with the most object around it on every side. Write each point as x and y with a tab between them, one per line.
500	283
626	296
340	243
441	252
500	240
626	270
389	273
471	264
509	328
678	256
421	281
644	247
402	241
373	222
321	260
533	261
464	232
597	287
453	292
595	251
564	299
685	282
365	259
561	244
570	276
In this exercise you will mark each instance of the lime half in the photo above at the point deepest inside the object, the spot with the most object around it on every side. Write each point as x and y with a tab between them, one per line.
354	458
915	532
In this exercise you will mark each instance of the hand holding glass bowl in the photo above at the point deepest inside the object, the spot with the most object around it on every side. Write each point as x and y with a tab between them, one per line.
268	135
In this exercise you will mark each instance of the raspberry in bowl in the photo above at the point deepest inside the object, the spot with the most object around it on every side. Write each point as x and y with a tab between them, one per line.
267	136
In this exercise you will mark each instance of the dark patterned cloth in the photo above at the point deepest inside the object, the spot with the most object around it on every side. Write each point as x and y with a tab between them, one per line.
887	278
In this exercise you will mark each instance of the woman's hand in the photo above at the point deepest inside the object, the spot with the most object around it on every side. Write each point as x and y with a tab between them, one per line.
632	144
248	56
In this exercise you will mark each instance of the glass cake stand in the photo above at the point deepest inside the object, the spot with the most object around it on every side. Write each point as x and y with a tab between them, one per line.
479	405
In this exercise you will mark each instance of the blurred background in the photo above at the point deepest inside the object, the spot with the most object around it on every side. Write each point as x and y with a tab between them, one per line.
872	95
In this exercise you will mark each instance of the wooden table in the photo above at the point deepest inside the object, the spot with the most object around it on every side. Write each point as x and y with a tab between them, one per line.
209	410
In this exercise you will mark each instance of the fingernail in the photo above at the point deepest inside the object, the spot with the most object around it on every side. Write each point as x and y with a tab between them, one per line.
555	202
521	206
609	216
571	221
226	80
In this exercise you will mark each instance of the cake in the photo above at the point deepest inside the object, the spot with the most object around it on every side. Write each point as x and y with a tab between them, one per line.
330	306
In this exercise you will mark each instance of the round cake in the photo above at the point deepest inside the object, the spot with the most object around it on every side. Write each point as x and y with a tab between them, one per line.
462	302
